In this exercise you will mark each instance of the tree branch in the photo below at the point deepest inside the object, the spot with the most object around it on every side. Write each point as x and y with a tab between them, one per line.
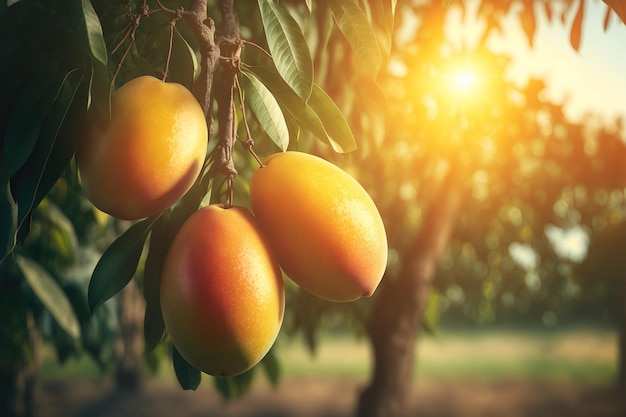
229	27
229	43
226	106
203	28
220	49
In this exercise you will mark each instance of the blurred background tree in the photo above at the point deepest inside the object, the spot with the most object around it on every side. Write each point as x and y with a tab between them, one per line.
490	194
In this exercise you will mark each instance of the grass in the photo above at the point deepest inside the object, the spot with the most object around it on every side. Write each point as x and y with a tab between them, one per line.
575	354
74	368
587	354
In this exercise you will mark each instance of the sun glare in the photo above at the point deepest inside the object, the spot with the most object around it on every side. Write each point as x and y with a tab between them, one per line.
461	83
463	80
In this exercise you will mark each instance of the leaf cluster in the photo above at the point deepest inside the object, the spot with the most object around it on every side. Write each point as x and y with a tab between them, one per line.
568	13
48	57
78	53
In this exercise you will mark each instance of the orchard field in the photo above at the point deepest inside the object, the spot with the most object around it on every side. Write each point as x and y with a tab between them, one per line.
462	372
197	194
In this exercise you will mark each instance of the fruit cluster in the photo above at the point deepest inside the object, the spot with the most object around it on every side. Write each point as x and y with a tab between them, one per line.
222	291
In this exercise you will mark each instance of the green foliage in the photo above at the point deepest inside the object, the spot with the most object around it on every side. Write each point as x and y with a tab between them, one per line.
289	49
118	263
46	89
50	294
188	377
43	104
235	386
160	239
355	26
337	130
271	366
49	157
187	67
266	109
320	115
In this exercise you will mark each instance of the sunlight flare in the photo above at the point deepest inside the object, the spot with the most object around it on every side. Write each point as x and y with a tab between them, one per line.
461	81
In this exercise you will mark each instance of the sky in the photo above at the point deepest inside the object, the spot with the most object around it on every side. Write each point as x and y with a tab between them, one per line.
591	80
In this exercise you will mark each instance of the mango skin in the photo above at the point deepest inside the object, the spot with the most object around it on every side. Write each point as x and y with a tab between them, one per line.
222	292
148	154
322	225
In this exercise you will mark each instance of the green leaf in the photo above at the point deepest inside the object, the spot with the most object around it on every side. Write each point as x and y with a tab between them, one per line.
272	367
301	111
277	86
353	23
338	130
26	118
83	24
10	24
62	234
187	66
50	294
292	125
188	377
48	159
267	110
15	73
235	386
381	18
8	221
57	160
97	46
118	263
100	88
161	237
383	13
288	47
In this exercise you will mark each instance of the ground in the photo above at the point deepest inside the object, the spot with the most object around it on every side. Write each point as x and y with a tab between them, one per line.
324	397
466	373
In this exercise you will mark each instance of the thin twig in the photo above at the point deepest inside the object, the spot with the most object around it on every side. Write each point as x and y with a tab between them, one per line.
249	143
233	133
119	65
165	9
126	35
259	47
135	19
172	24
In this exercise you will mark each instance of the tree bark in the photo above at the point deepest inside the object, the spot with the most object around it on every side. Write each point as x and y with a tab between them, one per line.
396	316
619	311
19	382
621	372
130	371
203	28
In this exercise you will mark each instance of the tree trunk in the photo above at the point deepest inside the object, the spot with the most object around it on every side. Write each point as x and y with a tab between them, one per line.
620	316
621	375
19	382
396	315
130	370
